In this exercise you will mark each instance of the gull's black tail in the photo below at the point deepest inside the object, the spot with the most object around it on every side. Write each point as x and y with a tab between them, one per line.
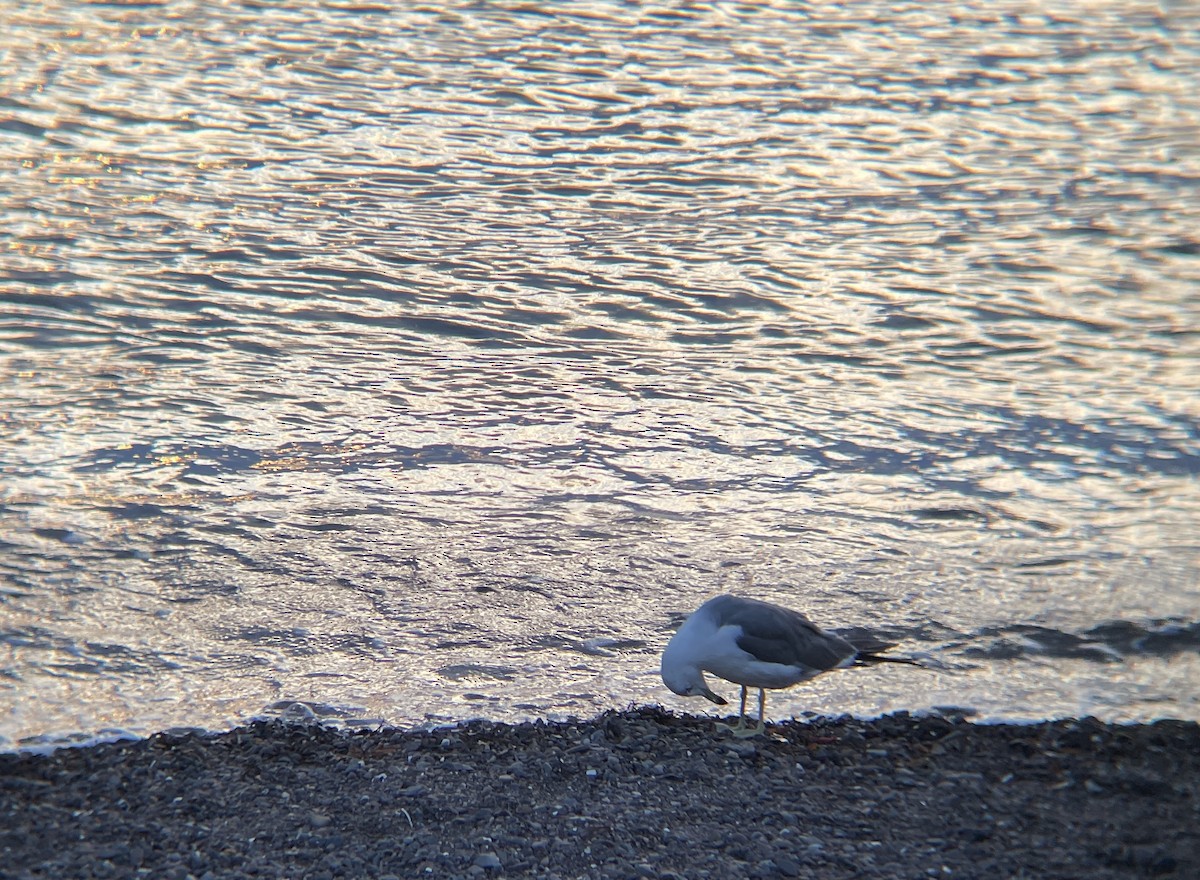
871	648
868	658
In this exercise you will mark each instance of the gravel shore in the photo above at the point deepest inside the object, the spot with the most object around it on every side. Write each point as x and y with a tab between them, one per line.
641	793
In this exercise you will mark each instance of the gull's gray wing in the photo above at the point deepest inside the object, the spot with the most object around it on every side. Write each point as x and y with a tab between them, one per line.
779	635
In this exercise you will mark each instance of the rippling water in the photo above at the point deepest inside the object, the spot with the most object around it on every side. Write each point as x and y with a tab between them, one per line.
430	363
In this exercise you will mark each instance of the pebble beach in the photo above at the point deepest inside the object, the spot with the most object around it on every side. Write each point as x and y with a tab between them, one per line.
641	793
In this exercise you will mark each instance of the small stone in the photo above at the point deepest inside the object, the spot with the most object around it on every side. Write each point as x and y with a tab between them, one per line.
488	860
765	869
787	866
741	749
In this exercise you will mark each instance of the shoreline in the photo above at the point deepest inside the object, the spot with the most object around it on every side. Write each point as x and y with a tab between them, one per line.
636	793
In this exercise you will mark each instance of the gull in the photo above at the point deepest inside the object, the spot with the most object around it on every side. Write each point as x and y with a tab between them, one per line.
758	645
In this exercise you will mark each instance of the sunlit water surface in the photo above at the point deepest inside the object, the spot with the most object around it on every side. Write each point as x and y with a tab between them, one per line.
426	363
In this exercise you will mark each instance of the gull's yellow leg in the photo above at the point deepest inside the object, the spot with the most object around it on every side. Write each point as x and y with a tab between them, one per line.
739	728
742	731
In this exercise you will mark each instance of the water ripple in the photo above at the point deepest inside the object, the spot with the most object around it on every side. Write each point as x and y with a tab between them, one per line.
358	356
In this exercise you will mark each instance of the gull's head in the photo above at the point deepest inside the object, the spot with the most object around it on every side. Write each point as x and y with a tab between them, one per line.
684	656
688	681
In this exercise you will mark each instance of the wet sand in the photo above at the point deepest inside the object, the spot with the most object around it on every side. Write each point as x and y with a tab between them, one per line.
641	793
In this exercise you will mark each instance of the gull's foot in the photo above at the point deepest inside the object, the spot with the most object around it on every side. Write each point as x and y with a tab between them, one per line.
744	732
736	729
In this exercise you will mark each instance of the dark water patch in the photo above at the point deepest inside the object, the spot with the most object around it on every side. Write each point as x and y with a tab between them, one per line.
119	659
1037	565
301	642
66	536
1096	446
954	514
1163	638
1105	643
136	511
465	671
194	459
58	656
1182	248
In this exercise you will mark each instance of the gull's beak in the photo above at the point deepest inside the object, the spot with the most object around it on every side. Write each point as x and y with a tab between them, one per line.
720	701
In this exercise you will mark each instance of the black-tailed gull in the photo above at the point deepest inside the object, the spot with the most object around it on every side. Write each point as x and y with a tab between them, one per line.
758	645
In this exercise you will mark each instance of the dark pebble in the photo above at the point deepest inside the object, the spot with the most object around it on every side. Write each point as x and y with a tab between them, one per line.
487	860
788	866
